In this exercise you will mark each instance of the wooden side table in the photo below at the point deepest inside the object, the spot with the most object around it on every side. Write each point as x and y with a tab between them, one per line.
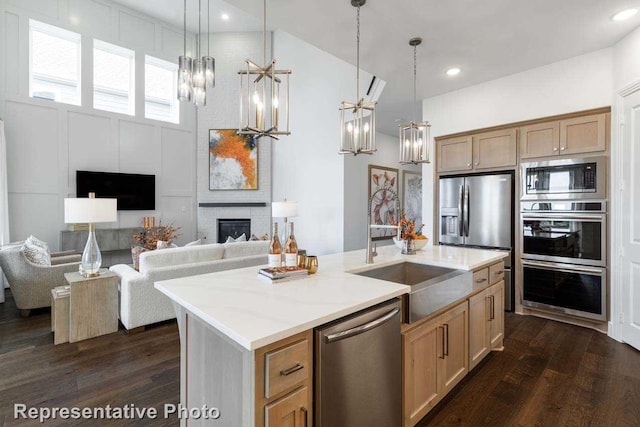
93	305
60	315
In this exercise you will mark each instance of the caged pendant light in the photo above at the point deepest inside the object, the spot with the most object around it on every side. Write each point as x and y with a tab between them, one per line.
262	90
414	137
185	83
357	120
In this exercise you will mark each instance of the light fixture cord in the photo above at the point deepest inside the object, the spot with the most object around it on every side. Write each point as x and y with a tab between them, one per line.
199	30
185	28
358	55
264	34
415	101
208	30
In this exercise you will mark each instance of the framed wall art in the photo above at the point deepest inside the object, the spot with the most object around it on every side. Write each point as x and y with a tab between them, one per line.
383	193
233	160
412	196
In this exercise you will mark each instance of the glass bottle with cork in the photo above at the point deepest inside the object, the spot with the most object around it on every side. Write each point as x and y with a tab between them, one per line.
291	249
275	249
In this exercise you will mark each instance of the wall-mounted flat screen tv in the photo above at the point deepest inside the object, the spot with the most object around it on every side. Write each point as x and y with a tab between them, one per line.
134	192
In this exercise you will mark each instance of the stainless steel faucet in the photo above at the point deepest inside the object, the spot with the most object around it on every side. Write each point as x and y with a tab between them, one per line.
370	252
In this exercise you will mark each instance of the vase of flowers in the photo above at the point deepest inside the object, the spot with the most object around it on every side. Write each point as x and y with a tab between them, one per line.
148	238
410	238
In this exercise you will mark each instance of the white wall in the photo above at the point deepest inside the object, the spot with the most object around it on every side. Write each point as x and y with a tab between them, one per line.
574	84
223	104
356	188
306	165
47	141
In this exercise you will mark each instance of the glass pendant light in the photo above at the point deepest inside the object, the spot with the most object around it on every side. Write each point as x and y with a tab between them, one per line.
209	61
185	84
357	119
199	79
414	137
262	92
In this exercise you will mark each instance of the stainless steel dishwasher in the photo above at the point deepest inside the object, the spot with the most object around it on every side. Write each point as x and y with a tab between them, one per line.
358	371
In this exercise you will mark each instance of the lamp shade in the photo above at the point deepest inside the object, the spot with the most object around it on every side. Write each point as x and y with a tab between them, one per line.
87	210
284	209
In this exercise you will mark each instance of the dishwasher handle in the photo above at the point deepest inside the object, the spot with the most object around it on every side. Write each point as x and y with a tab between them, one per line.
362	328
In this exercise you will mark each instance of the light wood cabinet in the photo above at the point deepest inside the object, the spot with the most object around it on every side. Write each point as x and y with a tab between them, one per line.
539	140
496	322
487	150
571	136
486	322
455	154
583	134
435	359
495	149
284	372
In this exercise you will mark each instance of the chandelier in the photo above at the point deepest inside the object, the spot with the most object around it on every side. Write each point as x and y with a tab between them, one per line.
261	90
414	137
357	119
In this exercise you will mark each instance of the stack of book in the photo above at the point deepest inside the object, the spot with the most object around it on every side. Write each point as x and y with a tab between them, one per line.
282	274
61	291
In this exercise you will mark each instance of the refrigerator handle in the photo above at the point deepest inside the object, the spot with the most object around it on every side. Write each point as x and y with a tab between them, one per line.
466	211
461	211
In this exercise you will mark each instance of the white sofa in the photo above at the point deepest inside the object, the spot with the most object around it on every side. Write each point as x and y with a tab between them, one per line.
141	304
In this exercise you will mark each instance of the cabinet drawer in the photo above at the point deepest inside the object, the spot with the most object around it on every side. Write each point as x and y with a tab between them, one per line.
481	277
496	272
286	367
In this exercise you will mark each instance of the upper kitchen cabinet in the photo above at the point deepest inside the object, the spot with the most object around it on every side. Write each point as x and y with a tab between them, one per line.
494	149
571	136
481	151
455	154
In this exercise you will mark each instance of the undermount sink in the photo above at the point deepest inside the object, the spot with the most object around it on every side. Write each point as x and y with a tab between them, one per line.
431	287
408	273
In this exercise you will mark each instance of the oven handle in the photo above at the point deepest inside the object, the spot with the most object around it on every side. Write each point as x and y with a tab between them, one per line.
563	267
569	216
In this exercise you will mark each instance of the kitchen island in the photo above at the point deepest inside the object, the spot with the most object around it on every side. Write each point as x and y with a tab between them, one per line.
230	321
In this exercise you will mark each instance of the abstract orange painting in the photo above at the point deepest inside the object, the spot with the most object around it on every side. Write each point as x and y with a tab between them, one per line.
233	160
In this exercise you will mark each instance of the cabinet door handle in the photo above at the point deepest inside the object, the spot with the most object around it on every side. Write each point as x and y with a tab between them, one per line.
499	272
291	370
446	352
493	307
442	327
488	300
555	148
562	148
304	414
484	279
468	164
477	163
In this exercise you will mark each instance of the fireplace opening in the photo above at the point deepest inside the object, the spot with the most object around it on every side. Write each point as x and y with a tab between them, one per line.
233	228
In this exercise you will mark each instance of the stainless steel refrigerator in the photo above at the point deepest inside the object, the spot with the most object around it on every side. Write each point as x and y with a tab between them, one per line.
478	211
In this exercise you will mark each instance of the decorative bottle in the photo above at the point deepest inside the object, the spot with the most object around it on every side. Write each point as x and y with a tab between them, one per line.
291	249
275	248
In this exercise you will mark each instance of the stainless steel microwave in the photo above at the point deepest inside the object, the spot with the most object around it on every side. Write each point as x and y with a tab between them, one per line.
565	179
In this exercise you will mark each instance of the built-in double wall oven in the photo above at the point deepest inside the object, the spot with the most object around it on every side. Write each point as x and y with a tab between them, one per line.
564	236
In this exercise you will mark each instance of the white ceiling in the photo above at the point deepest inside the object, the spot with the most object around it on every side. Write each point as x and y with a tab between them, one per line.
487	39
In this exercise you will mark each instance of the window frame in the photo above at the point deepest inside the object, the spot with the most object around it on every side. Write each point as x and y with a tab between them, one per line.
61	33
174	103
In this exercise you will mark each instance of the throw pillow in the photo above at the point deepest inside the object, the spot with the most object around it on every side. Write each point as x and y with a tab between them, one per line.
265	237
36	254
242	238
253	238
33	240
194	243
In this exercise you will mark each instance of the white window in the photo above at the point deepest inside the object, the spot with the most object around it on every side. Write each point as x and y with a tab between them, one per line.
54	69
160	92
113	78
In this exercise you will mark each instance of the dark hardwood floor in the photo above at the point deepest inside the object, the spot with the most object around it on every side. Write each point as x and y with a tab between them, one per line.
550	374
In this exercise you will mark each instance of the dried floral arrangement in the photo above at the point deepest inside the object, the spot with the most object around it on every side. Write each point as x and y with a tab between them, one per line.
148	238
408	228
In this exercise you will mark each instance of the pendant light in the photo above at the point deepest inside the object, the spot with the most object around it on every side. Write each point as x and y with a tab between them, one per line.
357	120
185	84
209	61
199	80
261	92
414	137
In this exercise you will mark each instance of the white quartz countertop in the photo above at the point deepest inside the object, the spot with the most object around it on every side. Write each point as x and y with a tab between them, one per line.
254	313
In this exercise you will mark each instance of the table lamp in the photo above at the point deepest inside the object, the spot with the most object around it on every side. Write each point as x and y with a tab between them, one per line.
90	210
284	209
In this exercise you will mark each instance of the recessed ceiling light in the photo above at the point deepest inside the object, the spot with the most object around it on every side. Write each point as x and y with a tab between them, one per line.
453	71
224	17
625	14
